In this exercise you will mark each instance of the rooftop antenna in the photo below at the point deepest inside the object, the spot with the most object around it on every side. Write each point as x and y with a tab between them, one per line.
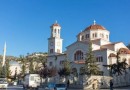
94	22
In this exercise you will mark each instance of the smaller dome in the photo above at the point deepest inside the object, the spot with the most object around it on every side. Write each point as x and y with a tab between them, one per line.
112	55
95	27
124	51
55	24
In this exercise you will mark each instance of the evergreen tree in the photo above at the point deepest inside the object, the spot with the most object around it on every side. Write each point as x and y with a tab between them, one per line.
91	68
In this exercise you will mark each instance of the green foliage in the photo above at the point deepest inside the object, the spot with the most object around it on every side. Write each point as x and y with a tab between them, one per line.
5	71
2	71
8	71
118	67
66	70
23	62
91	68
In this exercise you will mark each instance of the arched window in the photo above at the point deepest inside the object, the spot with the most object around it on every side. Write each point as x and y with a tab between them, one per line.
87	36
95	34
107	36
82	37
78	55
58	31
55	30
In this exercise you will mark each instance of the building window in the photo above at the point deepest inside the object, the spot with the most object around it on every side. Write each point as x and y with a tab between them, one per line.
107	36
82	37
51	50
50	64
78	55
55	30
95	34
61	62
87	36
58	31
99	59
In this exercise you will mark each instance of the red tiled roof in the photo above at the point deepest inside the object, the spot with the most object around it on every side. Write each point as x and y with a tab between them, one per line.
55	24
112	55
95	27
124	51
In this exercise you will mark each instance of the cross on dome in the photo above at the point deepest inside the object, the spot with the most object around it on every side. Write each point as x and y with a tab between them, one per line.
94	22
56	21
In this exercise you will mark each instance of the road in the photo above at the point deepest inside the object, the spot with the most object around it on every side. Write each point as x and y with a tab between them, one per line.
21	88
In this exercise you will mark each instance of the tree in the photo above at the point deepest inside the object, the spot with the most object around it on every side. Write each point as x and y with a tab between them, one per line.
91	68
8	71
118	67
31	66
23	61
66	70
42	59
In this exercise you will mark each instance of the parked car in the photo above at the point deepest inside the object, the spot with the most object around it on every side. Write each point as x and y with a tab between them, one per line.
60	87
31	81
50	86
3	83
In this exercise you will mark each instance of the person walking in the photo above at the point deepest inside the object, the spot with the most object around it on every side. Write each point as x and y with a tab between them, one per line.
68	83
111	85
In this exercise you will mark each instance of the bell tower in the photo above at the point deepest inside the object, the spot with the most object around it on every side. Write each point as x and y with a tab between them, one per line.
55	41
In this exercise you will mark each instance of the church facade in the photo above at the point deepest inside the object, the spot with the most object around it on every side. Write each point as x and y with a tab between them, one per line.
103	49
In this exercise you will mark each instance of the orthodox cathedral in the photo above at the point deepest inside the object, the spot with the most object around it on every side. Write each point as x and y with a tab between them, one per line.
103	49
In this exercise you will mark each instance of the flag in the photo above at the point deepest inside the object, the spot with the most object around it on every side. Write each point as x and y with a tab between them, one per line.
3	63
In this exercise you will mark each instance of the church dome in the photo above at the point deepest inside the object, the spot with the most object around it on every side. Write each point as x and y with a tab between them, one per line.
55	24
124	51
95	27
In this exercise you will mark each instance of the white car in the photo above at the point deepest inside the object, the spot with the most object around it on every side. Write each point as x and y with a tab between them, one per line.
3	83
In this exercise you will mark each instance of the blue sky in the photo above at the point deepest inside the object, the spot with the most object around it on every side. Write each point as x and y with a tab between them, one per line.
25	24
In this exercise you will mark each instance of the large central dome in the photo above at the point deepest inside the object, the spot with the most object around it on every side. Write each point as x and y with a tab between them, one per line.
95	27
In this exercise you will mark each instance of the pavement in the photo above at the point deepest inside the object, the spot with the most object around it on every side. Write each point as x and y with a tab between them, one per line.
79	88
18	87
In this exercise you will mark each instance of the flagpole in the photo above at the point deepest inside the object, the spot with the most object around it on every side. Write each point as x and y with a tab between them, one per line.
3	63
